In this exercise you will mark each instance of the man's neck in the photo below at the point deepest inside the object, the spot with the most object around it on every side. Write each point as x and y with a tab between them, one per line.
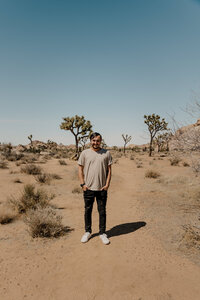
95	149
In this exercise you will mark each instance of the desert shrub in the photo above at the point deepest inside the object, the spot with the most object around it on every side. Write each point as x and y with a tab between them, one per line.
76	190
13	156
44	222
174	160
186	164
30	199
7	215
55	176
115	161
62	162
17	180
191	237
152	174
3	165
139	164
31	169
195	165
43	178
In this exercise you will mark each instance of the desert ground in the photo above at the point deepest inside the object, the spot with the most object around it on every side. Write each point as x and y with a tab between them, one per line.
152	224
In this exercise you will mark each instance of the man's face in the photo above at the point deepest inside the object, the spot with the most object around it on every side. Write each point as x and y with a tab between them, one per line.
96	142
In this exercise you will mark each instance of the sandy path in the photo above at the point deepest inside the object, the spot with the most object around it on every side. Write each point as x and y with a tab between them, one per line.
134	266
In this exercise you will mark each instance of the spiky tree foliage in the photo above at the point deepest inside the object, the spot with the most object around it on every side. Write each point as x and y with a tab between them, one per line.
126	139
155	125
159	141
167	136
30	138
83	141
78	126
103	144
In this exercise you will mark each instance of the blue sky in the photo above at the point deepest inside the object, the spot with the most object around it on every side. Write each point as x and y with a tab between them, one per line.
111	61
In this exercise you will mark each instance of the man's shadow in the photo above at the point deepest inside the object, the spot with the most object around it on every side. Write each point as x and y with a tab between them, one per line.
123	229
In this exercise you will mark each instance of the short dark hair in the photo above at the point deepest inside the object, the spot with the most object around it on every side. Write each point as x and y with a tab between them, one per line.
94	134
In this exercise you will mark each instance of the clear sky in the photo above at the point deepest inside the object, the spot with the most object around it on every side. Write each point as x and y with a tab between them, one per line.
110	60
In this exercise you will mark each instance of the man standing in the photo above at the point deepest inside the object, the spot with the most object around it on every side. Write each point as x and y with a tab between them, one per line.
95	175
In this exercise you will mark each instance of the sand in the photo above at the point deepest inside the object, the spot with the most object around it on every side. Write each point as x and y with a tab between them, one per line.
145	259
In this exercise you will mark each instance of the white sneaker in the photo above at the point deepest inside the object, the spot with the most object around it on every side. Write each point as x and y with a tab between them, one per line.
85	237
104	239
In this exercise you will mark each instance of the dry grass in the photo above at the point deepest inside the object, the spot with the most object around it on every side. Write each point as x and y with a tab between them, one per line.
3	165
76	190
62	162
30	199
31	169
186	164
195	165
152	174
173	180
55	176
44	222
43	178
17	180
7	215
174	160
191	237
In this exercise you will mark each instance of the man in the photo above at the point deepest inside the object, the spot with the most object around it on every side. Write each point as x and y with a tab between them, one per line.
95	175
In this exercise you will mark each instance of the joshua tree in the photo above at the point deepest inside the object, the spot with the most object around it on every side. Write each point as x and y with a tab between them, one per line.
82	141
103	144
30	138
126	139
155	125
78	126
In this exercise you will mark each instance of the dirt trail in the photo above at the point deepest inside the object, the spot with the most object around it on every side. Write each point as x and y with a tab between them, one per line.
134	266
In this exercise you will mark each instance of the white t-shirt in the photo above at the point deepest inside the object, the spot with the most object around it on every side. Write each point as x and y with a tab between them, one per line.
95	167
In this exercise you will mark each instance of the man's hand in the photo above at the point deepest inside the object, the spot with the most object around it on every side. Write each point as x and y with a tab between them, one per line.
85	188
105	188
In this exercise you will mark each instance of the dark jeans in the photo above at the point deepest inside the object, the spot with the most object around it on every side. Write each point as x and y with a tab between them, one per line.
101	198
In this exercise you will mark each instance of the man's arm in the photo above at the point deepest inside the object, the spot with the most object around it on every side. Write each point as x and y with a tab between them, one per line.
105	187
81	177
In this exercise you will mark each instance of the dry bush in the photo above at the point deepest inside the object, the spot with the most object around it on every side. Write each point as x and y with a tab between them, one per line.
139	164
43	178
30	199
62	162
174	160
7	215
76	190
17	180
195	165
55	176
31	169
29	158
3	165
191	237
44	222
186	164
115	161
173	180
152	174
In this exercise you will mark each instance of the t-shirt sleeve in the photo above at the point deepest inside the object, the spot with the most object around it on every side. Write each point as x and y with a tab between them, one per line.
109	159
81	160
